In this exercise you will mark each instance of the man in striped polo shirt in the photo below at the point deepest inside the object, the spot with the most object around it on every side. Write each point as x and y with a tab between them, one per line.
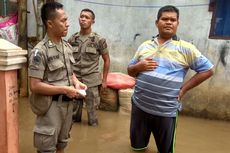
160	66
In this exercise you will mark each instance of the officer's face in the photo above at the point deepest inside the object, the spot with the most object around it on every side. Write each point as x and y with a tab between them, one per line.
167	24
86	20
59	24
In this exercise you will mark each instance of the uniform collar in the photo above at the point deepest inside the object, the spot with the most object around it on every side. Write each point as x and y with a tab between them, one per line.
90	36
46	38
50	44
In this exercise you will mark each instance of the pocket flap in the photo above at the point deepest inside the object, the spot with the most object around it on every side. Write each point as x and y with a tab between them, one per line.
54	65
40	103
44	130
91	50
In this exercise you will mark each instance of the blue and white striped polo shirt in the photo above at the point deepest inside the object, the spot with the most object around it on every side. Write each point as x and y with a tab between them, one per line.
156	91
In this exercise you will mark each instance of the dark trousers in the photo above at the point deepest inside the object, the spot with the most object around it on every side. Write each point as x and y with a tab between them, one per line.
143	124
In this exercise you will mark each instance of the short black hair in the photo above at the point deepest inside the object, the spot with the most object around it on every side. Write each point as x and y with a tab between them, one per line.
167	8
88	10
48	11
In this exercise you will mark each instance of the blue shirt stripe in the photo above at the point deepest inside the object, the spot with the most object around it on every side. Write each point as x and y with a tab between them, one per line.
156	91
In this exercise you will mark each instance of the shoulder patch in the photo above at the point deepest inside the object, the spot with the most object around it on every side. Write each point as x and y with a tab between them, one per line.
36	57
102	44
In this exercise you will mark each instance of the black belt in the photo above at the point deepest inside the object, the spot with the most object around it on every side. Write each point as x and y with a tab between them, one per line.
64	98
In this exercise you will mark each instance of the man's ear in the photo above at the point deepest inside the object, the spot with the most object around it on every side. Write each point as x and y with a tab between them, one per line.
93	21
49	23
156	22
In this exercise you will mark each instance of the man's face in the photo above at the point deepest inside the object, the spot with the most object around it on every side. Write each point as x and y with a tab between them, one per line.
59	24
167	24
86	20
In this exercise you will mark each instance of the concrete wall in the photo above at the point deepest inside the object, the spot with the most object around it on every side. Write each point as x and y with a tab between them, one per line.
127	23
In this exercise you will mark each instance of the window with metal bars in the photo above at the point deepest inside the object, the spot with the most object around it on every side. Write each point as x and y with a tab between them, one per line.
220	25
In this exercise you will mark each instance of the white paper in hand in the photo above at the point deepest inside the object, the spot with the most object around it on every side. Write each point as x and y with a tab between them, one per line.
82	92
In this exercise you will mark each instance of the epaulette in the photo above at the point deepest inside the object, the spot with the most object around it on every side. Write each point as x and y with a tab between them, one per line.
77	34
96	34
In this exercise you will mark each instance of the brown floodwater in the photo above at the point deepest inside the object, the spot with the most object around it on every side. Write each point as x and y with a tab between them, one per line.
194	135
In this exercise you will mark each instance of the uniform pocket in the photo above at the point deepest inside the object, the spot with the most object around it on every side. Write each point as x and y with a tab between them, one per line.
91	50
40	104
76	53
57	70
91	53
44	138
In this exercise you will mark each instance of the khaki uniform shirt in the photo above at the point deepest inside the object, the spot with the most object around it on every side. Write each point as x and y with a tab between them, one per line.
52	63
87	51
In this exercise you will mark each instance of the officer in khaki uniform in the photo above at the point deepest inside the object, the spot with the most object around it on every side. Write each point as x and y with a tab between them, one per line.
52	83
88	47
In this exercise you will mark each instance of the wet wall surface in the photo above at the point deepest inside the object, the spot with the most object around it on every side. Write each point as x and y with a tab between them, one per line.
194	135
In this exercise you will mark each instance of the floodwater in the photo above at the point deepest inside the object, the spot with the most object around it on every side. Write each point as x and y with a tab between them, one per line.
194	135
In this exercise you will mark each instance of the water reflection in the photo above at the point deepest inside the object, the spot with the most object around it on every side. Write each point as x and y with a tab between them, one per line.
112	135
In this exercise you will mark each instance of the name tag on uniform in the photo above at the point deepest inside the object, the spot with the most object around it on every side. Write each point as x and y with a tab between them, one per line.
53	57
